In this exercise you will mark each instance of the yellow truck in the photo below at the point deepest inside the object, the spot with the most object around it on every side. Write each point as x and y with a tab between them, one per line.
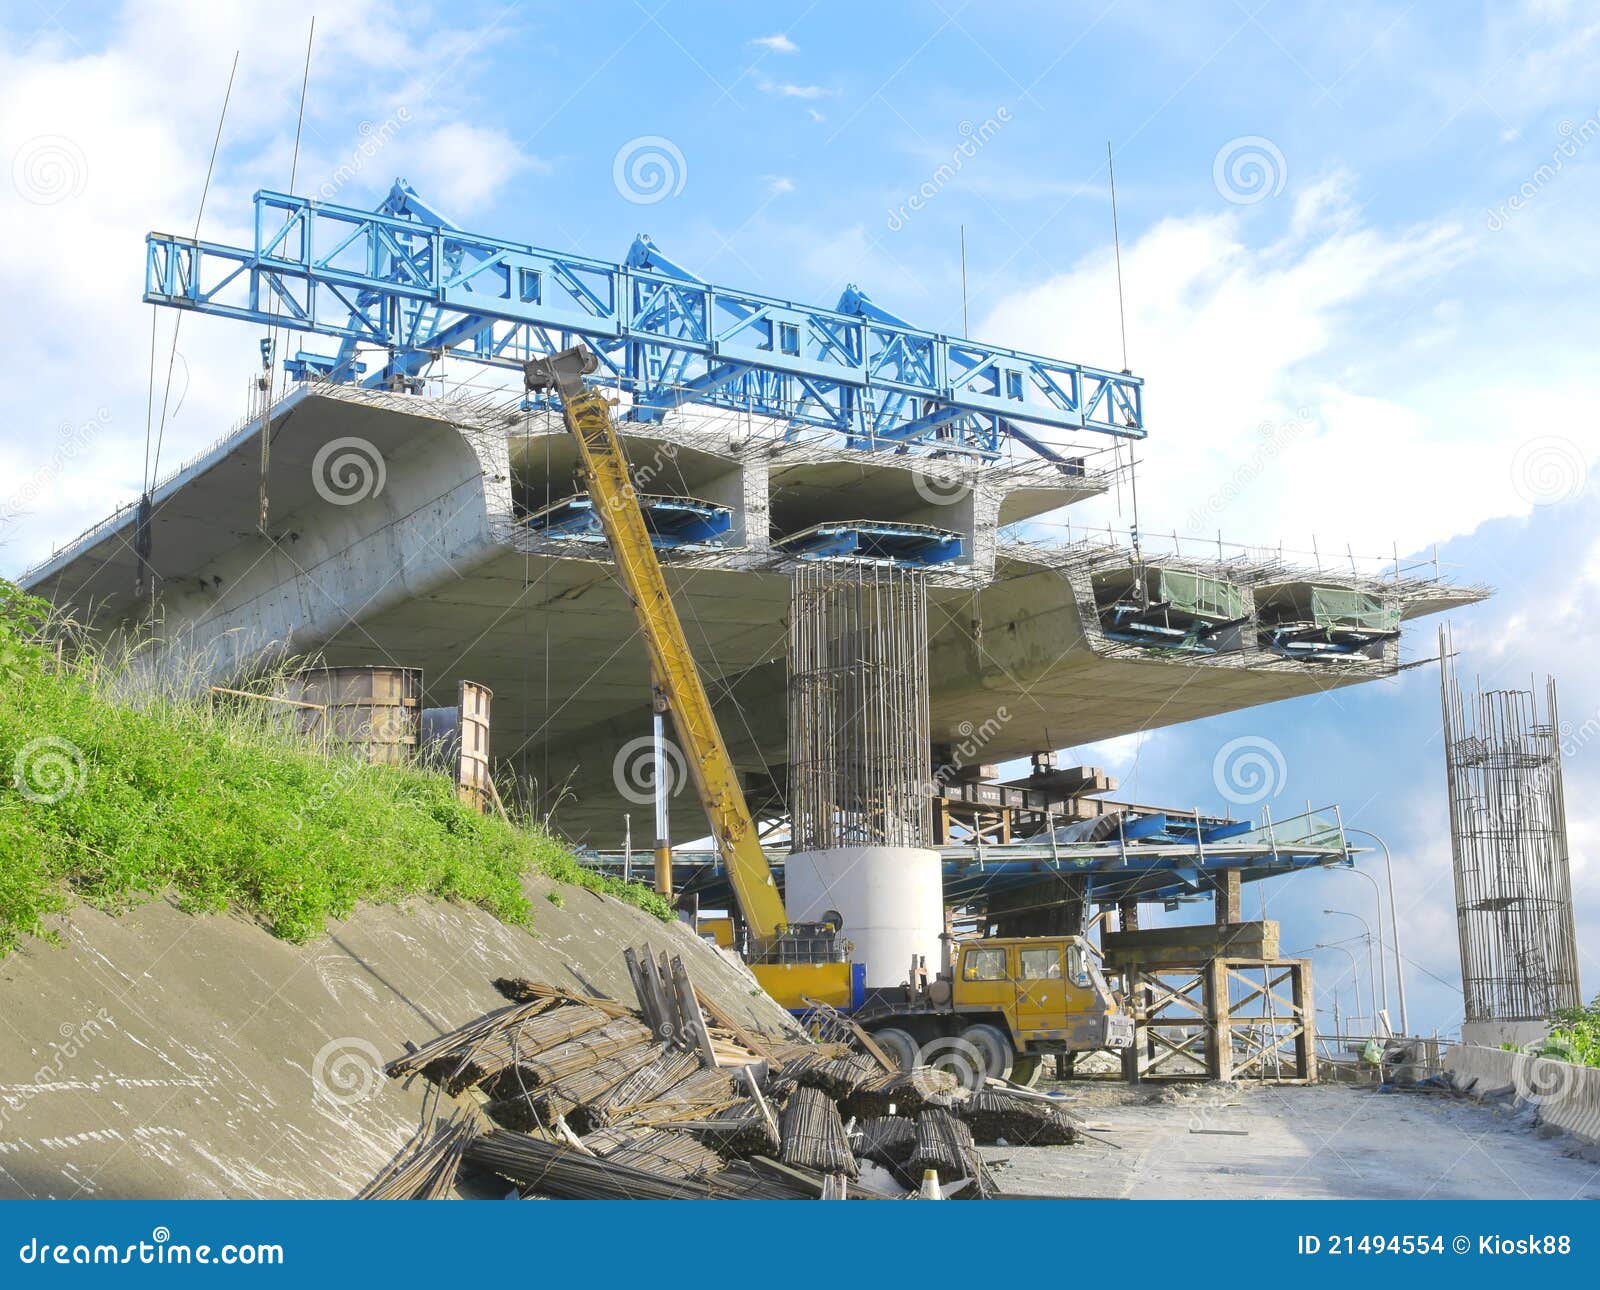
1007	1004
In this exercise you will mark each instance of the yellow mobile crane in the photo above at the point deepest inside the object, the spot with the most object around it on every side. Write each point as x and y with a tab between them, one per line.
785	960
1012	1001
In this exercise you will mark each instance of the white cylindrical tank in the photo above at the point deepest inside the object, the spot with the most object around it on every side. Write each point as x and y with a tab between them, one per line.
891	899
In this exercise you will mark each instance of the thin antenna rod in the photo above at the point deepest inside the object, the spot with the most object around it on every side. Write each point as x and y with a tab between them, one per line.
1116	242
965	329
268	354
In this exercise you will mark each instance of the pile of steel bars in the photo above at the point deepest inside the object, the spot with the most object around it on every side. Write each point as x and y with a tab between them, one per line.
813	1134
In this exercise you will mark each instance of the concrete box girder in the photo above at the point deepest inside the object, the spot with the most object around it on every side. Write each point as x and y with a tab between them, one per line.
435	570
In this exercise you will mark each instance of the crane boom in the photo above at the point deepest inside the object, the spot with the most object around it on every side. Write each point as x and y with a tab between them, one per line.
605	472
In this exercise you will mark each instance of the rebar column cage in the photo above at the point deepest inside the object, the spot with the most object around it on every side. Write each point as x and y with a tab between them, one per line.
1508	836
858	707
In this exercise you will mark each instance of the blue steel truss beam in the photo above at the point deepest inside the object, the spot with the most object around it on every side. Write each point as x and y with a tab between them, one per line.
406	281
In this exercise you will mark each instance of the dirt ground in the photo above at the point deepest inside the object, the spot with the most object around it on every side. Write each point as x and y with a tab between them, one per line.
1324	1142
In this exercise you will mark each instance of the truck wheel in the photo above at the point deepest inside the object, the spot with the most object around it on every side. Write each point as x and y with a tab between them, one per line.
1025	1069
899	1045
994	1048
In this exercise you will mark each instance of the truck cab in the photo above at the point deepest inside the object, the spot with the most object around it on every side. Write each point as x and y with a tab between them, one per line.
1005	1004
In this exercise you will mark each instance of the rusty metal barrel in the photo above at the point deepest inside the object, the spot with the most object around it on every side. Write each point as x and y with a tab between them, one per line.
373	712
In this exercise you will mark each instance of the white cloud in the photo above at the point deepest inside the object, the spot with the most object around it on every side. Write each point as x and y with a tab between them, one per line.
463	167
777	43
788	90
99	146
1333	343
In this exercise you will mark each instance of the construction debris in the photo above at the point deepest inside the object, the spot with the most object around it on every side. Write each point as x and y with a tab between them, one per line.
566	1095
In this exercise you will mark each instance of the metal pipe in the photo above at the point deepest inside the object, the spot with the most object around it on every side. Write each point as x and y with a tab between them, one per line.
663	776
1394	928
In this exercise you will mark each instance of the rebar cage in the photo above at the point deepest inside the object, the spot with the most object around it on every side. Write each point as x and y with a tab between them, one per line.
1508	832
858	707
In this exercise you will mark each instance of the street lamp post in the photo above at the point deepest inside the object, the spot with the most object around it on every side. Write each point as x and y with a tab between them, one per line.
1377	906
1394	926
1355	976
1372	988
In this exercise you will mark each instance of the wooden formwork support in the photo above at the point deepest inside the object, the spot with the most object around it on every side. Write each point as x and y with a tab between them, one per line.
1225	1018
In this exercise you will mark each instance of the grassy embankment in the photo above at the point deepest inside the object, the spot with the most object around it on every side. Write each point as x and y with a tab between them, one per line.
113	802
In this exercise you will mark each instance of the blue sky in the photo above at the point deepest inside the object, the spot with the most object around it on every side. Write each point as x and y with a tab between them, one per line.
1404	281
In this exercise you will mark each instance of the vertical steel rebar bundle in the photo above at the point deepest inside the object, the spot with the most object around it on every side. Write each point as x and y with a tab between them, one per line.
858	707
1508	832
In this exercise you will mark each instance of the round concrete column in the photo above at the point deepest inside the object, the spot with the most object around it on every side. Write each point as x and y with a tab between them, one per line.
891	899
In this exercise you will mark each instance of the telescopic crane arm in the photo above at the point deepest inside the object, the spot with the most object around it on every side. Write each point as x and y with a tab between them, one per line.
605	472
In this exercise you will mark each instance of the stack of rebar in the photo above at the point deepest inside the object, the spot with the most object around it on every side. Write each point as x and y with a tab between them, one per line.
426	1167
596	1099
945	1145
887	1140
548	1169
739	1130
671	1066
904	1093
701	1093
813	1134
996	1115
672	1155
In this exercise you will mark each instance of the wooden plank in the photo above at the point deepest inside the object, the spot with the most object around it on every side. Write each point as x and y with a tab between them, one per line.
726	1021
641	987
754	1085
666	1012
694	1022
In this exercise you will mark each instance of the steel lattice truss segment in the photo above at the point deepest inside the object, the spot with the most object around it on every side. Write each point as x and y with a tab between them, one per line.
404	280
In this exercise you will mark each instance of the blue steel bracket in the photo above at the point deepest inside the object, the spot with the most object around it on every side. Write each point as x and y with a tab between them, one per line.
404	281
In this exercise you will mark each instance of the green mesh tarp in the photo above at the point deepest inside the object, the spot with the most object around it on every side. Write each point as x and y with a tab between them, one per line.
1193	593
1341	607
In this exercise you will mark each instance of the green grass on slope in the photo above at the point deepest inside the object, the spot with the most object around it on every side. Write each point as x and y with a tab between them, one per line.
114	803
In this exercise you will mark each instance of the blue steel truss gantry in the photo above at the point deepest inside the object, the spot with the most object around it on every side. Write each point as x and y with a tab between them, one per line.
405	281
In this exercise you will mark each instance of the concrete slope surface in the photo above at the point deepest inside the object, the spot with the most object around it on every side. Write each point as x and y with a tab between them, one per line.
162	1055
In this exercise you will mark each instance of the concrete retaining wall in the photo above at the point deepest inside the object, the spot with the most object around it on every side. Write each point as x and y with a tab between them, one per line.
1567	1095
161	1054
